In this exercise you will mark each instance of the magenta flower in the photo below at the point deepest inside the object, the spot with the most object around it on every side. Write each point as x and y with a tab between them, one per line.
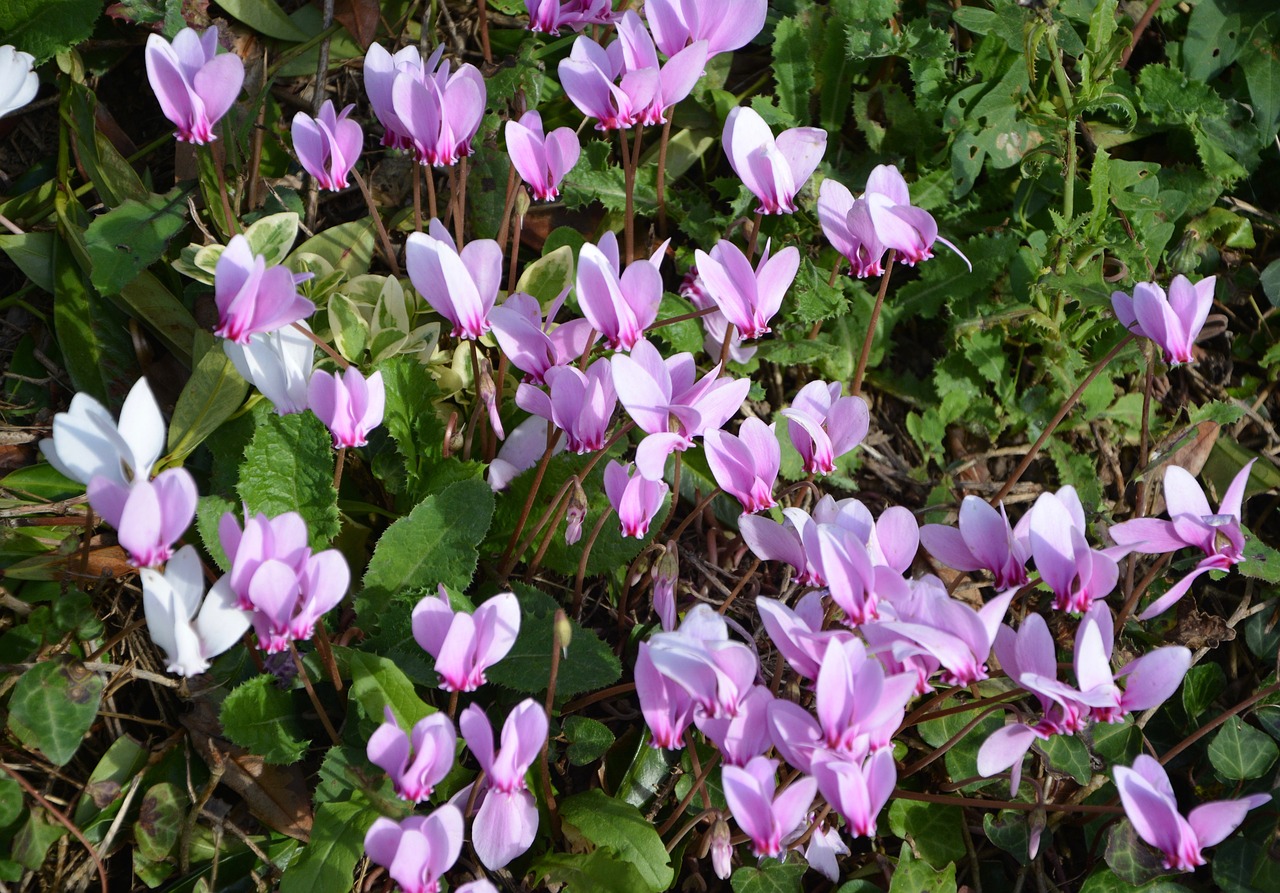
521	451
853	581
701	658
288	602
252	297
984	541
746	465
774	170
766	818
418	850
194	85
581	404
675	79
1150	680
439	111
665	401
635	498
88	443
534	346
824	426
190	627
619	307
773	541
549	16
1074	572
328	145
349	404
882	219
465	645
724	24
798	634
744	736
417	762
667	708
282	538
715	325
1192	524
542	160
1172	321
149	515
857	789
460	286
380	71
507	817
1150	806
748	298
588	77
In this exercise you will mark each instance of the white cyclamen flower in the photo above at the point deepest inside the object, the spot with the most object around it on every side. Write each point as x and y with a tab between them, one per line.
190	635
18	81
278	364
87	442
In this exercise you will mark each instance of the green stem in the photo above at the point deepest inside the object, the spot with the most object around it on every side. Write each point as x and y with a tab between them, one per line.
1064	87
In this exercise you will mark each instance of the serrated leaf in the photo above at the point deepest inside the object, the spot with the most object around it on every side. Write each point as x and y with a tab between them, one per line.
792	68
129	238
1240	751
53	706
260	717
596	817
288	467
433	544
44	28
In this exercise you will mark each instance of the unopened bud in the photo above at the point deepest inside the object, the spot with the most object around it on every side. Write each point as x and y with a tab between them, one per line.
666	571
523	202
563	632
577	512
488	392
721	849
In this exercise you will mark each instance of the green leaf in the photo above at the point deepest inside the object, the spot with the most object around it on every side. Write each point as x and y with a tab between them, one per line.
1011	832
1260	63
791	66
1117	742
1240	751
150	302
44	28
933	829
1104	880
92	334
329	859
10	801
602	821
962	759
347	247
272	236
53	707
775	877
160	818
1260	561
1067	753
105	788
1201	687
261	718
288	467
916	876
266	17
1270	282
1215	34
211	396
599	871
33	839
548	276
33	255
588	740
435	543
377	683
129	238
1132	859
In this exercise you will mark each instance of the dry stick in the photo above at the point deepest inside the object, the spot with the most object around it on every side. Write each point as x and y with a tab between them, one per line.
63	820
417	198
311	693
576	608
556	626
754	238
388	250
742	584
1057	419
662	174
323	345
1023	806
856	389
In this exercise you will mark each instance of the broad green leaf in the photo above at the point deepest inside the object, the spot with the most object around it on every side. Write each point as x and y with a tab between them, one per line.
1240	751
792	67
129	238
916	876
272	236
1215	34
328	861
1104	880
92	334
349	327
160	818
602	821
932	828
962	759
548	276
53	706
773	877
1200	687
1244	865
262	719
33	255
10	801
377	683
34	838
1260	560
123	759
599	871
265	17
1067	753
1117	742
433	544
1270	280
44	28
588	740
212	394
149	301
1011	832
347	247
288	467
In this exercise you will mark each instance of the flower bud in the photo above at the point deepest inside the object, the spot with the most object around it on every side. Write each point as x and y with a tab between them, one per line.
488	392
721	849
666	571
577	512
563	632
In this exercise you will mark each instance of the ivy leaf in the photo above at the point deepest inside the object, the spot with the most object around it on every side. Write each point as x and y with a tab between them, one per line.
288	467
53	707
916	876
1240	751
261	718
775	877
602	821
599	871
932	828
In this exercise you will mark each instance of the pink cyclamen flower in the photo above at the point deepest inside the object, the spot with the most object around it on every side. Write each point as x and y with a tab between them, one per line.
1076	573
766	818
542	160
1192	523
549	16
349	404
88	443
984	541
856	788
521	451
327	145
746	465
194	85
744	736
278	364
715	325
190	627
1150	680
824	426
380	72
1172	321
675	79
667	708
288	601
798	634
724	24
465	645
635	498
748	298
440	111
534	346
418	850
1151	808
252	297
588	77
883	218
581	404
461	286
416	762
619	307
282	538
149	515
774	170
664	399
716	671
507	816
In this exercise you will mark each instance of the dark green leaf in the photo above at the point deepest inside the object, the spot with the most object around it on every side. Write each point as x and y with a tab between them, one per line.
44	28
10	801
589	665
33	255
1130	857
588	740
377	683
261	718
792	67
1067	753
1201	687
266	17
1240	751
53	706
599	871
288	467
932	828
129	238
1104	880
34	838
329	859
774	877
160	819
601	820
916	876
92	334
212	394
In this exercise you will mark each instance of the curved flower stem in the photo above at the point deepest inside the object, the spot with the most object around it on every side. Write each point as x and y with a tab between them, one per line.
724	347
856	388
417	198
453	703
323	345
672	320
431	192
576	608
510	554
514	264
311	693
507	206
561	504
697	510
690	825
1057	419
662	174
460	215
629	187
742	584
950	742
1020	805
1144	458
699	785
1219	720
675	497
388	250
477	411
325	652
484	31
1156	569
337	467
556	647
754	238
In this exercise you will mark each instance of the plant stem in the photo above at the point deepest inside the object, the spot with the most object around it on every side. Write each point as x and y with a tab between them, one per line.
311	693
460	212
1021	805
325	651
64	821
576	608
1057	419
1217	721
865	355
417	198
754	238
431	192
508	205
323	345
742	584
556	625
337	467
484	32
629	186
672	320
1064	87
675	497
508	555
662	174
388	250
